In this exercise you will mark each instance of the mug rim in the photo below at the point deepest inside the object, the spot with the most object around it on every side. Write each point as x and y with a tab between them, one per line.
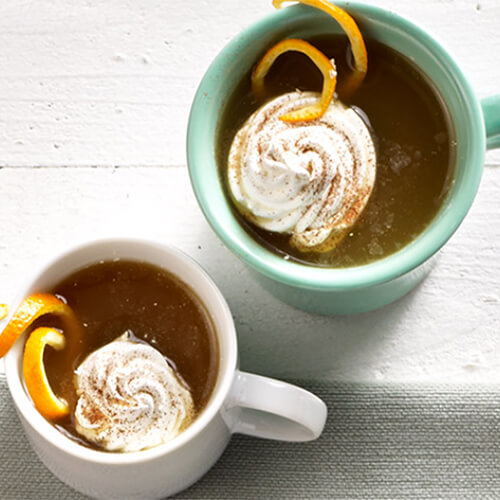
225	377
289	272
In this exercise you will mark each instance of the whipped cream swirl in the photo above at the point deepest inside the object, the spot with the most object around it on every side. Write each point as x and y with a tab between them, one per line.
130	398
308	179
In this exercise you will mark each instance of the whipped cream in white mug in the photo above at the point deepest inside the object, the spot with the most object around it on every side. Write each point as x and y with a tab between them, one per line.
309	179
129	398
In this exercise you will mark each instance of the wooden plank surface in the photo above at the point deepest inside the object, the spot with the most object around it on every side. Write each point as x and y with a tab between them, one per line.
94	99
111	83
447	329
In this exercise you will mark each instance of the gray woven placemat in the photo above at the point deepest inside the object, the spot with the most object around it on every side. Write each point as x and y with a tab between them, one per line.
380	442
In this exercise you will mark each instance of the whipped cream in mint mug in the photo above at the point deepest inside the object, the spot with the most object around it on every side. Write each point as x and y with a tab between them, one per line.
330	290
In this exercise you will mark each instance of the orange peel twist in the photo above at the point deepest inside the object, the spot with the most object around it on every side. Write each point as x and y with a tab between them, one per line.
348	24
32	308
324	64
29	311
46	402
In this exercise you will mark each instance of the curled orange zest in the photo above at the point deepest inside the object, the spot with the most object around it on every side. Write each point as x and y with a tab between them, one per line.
46	402
326	67
351	29
4	311
31	309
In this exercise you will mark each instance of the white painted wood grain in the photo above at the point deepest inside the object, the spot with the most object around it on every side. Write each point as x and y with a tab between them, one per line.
89	82
100	84
446	330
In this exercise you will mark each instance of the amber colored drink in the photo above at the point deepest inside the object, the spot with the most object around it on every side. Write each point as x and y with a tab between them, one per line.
413	137
154	306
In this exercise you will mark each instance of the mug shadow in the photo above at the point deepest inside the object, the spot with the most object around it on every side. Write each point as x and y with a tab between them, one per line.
278	340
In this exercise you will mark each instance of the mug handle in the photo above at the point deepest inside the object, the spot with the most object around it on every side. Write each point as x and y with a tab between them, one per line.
491	113
268	408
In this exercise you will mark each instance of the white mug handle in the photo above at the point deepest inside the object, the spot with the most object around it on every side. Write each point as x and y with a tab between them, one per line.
268	408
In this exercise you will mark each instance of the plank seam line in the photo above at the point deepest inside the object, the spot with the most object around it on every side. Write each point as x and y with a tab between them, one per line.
100	167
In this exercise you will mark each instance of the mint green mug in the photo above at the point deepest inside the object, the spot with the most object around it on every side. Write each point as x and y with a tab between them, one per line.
367	287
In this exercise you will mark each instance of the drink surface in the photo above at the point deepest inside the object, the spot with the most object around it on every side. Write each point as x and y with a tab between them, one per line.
412	135
149	304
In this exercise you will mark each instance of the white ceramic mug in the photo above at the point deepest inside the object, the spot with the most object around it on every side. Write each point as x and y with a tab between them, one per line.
240	402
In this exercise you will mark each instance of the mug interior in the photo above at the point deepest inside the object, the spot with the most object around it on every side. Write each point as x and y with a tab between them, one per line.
170	259
237	59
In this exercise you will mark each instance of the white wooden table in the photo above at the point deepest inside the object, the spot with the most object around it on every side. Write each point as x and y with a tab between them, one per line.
94	100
